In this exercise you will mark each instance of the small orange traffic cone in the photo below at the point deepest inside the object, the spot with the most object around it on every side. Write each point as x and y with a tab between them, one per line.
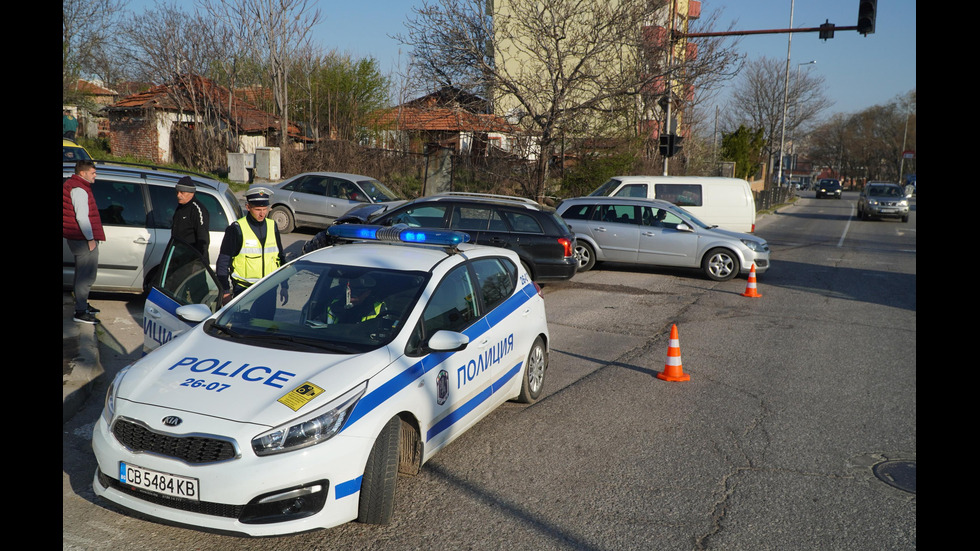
673	370
750	288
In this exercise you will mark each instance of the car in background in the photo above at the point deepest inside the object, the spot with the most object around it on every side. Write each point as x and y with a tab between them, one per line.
72	152
136	204
535	232
271	417
828	187
317	199
657	233
883	200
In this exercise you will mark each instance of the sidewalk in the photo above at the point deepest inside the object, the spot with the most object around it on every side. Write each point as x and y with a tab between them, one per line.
80	348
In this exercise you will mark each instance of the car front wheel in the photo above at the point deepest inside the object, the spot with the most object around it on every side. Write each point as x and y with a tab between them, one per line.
283	219
376	503
585	255
720	265
533	379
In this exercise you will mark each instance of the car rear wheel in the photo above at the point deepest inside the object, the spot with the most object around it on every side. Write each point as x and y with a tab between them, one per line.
534	369
283	219
585	255
720	264
376	503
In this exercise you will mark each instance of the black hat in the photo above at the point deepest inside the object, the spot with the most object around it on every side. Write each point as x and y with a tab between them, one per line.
186	184
258	197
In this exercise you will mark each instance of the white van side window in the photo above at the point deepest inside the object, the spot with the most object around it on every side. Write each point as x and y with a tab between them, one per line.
682	195
632	190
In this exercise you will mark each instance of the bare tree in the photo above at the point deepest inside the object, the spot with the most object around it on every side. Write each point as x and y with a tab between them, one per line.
563	68
281	28
86	33
757	101
869	143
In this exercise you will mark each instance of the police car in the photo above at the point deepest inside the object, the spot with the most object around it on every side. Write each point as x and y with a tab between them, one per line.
286	412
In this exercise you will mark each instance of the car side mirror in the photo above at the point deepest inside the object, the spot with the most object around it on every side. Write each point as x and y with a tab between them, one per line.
193	313
684	227
448	341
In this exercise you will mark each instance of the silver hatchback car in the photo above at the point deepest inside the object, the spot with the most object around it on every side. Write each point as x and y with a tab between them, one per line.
658	233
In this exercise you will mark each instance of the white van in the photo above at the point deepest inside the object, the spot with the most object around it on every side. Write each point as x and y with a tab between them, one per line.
724	202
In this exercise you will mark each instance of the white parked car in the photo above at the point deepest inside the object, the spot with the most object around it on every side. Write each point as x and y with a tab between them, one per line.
272	417
658	233
136	204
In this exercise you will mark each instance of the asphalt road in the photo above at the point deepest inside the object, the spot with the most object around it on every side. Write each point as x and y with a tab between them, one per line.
795	399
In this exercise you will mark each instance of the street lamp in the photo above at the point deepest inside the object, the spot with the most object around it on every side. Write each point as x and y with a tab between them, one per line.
796	110
782	131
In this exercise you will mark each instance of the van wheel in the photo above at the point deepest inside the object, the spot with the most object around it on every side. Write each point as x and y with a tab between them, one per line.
532	380
585	255
720	264
283	219
376	502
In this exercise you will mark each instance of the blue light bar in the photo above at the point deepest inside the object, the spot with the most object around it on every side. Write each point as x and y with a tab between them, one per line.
399	234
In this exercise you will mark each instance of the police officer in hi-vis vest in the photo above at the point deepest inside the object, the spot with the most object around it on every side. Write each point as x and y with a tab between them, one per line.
251	248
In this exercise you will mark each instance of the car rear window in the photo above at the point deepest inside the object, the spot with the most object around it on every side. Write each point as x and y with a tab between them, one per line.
497	279
522	222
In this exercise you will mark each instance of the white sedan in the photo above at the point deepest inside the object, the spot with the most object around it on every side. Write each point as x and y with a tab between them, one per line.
275	417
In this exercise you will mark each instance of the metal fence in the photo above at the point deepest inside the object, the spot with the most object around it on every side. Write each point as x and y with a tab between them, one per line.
775	195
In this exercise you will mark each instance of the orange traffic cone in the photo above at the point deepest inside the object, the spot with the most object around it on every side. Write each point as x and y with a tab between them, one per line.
673	370
750	288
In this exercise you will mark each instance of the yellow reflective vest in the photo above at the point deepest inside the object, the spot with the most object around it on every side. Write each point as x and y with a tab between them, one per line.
254	261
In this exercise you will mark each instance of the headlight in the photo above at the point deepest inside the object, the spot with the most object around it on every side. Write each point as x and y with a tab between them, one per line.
110	396
313	429
754	245
903	203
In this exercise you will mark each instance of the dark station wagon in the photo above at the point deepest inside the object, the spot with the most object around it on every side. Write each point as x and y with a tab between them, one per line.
540	237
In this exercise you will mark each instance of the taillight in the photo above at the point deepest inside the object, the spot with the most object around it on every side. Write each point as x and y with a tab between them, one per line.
567	244
538	288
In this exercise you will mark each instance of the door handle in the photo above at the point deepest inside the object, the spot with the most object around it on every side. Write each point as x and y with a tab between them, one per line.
141	241
152	311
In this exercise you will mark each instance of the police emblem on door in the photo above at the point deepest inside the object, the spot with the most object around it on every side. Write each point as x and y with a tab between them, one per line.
442	387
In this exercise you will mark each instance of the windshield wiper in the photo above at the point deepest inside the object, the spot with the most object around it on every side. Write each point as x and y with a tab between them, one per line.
210	324
312	343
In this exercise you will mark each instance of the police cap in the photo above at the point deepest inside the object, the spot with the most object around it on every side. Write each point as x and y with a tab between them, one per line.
258	197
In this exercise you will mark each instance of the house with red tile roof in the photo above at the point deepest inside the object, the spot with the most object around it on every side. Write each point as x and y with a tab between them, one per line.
143	124
448	118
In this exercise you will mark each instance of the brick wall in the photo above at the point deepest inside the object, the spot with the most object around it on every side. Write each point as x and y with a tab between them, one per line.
136	135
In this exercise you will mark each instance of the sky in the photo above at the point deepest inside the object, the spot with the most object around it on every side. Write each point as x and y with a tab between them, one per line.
859	71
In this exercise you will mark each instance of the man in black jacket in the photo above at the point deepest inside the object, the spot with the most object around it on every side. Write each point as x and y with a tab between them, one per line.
191	218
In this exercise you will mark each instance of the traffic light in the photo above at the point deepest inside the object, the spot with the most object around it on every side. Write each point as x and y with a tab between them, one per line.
670	144
867	9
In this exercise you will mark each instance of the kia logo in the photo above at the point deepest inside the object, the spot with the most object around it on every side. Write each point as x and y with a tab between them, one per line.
172	420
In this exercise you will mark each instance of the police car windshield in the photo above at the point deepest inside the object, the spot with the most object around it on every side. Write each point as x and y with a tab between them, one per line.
329	308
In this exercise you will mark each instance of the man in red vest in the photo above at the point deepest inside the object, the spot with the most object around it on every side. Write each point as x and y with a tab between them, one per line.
82	229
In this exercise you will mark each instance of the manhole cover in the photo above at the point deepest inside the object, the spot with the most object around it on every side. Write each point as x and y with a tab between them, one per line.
900	474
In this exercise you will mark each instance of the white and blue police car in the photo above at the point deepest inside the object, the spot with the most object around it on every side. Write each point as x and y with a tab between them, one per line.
296	406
